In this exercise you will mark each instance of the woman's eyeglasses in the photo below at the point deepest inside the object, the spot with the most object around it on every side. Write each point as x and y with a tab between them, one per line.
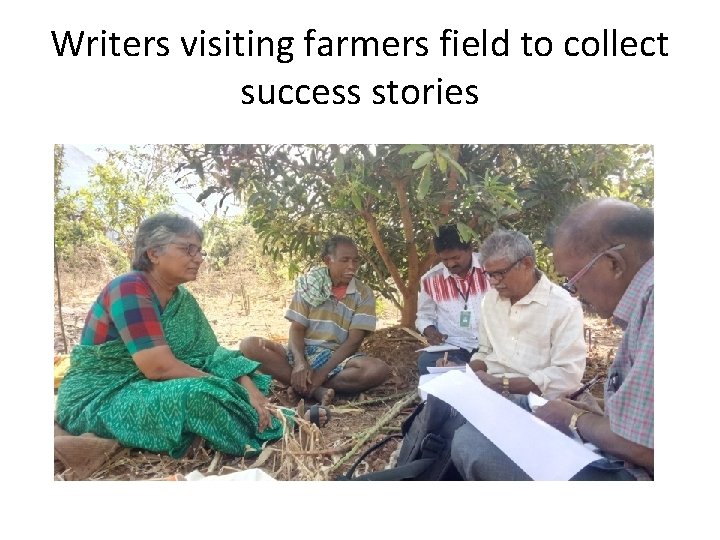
569	285
191	249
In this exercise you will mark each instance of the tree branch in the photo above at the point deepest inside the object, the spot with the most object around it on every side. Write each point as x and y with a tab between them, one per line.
452	185
372	227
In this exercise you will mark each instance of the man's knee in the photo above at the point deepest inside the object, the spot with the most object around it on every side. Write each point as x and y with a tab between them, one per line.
251	347
378	371
372	371
461	448
477	458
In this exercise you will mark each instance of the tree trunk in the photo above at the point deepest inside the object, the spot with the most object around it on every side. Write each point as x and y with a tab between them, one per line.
59	297
410	302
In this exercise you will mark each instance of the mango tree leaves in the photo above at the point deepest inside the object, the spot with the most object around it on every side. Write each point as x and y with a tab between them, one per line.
422	160
425	180
339	166
441	161
465	232
413	149
446	156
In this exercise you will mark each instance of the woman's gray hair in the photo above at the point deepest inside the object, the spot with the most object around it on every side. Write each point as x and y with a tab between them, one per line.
158	231
512	245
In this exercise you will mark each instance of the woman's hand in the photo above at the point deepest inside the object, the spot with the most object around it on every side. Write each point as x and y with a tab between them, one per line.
258	402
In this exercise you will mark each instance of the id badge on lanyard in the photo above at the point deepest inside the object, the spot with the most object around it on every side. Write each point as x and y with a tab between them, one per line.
465	314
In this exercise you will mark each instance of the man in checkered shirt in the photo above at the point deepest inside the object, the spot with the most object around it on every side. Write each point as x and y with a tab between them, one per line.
605	249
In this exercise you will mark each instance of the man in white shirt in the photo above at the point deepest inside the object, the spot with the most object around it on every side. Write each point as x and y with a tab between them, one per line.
449	300
531	330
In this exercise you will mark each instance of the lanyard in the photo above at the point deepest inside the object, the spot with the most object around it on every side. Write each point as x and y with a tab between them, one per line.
465	295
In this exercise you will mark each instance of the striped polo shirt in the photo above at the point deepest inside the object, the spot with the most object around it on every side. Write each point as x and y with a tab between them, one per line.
329	324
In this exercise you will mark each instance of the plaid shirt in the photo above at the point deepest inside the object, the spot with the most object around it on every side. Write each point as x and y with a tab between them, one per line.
629	390
127	308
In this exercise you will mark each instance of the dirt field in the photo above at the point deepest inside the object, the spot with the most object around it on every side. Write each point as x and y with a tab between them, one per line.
244	304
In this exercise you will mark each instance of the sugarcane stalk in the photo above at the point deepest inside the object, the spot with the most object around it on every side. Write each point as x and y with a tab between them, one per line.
392	413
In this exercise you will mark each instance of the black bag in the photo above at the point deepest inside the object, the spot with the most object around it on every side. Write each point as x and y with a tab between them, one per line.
425	452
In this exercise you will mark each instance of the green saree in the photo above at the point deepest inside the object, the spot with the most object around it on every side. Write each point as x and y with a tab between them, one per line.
105	393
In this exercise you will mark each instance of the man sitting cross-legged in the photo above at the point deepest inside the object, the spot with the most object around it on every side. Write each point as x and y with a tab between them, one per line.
330	315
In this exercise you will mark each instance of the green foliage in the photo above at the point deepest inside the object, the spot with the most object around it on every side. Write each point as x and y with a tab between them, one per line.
226	236
422	160
126	189
59	165
75	221
123	199
544	261
395	196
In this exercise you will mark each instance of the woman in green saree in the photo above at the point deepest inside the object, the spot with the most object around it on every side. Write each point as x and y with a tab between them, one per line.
149	371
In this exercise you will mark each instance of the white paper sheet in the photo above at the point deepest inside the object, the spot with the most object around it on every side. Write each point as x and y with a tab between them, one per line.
423	379
434	371
439	348
536	401
445	369
539	449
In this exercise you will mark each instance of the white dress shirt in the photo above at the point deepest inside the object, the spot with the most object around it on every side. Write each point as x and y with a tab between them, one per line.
440	302
539	337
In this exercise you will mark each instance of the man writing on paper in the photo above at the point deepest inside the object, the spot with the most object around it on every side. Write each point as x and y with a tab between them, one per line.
531	330
449	301
605	249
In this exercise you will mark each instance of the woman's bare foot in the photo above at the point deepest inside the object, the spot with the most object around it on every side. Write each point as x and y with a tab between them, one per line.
324	396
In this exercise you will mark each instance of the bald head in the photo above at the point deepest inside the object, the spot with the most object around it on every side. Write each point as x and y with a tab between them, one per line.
601	223
585	238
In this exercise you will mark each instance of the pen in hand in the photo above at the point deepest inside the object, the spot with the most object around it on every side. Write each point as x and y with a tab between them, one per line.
444	361
587	386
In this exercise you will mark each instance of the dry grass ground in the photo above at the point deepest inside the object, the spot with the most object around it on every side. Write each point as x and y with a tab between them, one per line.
247	302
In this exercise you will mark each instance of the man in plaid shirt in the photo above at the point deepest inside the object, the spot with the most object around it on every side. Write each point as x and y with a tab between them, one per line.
605	249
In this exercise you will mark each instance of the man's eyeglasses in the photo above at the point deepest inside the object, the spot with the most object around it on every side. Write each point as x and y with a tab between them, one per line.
191	249
499	275
569	285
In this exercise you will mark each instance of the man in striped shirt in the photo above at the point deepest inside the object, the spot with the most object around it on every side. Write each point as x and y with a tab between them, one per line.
605	248
449	301
330	314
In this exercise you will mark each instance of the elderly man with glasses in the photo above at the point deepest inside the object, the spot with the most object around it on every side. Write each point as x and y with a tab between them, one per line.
605	248
531	331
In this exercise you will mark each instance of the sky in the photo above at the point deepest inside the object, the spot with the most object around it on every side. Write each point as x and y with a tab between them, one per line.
185	199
